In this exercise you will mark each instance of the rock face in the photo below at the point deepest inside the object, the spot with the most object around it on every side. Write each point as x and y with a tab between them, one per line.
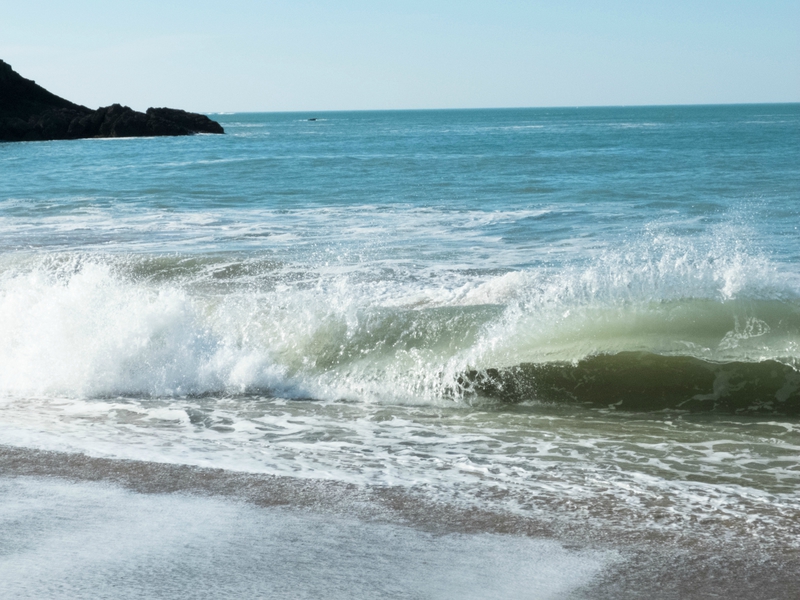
29	112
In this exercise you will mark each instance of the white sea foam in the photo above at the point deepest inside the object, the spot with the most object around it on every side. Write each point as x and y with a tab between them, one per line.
647	473
91	333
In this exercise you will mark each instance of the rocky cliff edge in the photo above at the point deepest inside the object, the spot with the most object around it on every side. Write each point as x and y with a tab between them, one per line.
28	112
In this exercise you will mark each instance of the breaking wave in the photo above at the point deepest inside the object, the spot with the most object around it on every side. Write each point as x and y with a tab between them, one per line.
663	325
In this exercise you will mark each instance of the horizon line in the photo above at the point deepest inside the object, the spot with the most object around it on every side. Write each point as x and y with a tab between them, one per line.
476	108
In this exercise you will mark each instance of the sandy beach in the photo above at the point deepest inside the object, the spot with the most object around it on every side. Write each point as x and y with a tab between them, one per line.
185	532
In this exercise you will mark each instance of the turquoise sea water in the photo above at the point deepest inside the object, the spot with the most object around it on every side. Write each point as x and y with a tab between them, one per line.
594	308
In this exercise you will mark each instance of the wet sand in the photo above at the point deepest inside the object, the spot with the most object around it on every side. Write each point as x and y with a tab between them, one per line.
77	526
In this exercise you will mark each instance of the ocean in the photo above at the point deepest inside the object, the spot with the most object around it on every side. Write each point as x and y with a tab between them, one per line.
519	353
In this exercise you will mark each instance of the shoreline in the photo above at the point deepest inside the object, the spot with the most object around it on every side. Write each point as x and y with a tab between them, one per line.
653	565
393	504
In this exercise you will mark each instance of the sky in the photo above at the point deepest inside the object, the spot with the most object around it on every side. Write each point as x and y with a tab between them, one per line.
310	55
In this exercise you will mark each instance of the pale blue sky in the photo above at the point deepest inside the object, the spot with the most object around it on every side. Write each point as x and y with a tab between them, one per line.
246	55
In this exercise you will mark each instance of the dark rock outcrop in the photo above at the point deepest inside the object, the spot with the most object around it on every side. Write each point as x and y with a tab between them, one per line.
29	112
191	121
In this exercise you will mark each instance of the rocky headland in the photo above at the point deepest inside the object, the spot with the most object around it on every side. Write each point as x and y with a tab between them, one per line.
28	112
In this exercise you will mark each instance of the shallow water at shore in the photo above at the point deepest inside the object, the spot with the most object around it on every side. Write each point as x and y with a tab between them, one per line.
127	527
631	473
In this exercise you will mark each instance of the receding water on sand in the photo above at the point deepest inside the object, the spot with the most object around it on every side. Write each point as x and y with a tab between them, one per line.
76	527
81	540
